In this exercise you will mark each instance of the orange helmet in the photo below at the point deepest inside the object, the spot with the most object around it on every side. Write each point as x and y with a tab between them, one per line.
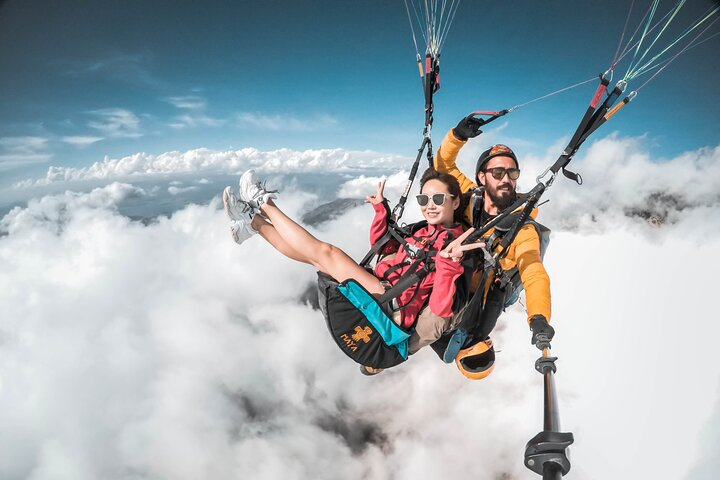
477	361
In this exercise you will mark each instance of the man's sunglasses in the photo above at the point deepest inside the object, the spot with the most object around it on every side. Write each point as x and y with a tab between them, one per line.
437	198
499	172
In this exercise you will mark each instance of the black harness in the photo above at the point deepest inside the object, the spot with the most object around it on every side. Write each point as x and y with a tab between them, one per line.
422	260
478	314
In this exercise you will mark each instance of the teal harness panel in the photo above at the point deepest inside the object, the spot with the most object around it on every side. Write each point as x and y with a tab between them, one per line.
390	332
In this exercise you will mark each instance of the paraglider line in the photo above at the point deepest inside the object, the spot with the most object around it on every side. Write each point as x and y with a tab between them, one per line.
653	8
630	45
622	36
552	93
412	29
420	24
706	16
449	24
657	37
690	45
428	26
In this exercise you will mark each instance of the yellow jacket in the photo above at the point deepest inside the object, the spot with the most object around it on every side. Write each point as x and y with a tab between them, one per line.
523	252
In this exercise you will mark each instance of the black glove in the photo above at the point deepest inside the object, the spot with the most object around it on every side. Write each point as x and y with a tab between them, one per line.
542	332
469	127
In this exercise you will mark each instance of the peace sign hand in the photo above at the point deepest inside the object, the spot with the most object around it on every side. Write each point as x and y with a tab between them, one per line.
455	250
378	196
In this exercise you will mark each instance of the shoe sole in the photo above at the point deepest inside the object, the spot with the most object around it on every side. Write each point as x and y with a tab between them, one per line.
236	237
226	199
244	184
369	371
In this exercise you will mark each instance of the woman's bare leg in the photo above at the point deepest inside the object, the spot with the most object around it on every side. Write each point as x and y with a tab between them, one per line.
323	256
268	232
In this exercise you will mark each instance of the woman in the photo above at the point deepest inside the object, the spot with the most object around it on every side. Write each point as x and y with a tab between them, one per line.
256	212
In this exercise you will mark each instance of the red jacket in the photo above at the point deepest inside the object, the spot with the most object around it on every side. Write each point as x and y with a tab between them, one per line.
438	286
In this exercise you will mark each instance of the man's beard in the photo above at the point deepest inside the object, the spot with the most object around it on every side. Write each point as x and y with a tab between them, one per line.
502	198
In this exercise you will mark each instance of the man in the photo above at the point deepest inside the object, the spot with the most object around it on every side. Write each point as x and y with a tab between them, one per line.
493	190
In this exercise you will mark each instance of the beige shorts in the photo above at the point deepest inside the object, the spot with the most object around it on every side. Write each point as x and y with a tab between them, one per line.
428	328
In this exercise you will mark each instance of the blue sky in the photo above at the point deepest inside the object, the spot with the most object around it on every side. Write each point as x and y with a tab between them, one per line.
82	80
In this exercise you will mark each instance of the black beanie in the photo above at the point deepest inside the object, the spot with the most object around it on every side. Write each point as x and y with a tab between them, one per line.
498	150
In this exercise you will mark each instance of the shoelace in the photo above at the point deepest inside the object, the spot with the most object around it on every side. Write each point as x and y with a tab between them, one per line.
263	186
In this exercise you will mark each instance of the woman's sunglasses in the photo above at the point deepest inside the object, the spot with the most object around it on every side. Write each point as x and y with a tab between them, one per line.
437	198
499	172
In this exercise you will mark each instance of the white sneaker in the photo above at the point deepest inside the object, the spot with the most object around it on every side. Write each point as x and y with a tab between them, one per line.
235	208
241	231
241	215
254	192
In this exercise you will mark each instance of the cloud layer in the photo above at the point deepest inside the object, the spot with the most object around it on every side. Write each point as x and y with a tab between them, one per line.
23	151
208	161
620	177
284	122
163	350
116	123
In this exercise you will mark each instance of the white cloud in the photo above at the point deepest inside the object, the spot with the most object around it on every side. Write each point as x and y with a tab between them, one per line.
234	161
23	184
123	67
23	144
81	141
194	114
195	120
168	351
116	123
284	122
187	102
173	190
52	211
22	151
362	186
620	178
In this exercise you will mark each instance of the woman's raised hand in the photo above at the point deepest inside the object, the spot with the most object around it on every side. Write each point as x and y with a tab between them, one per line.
455	250
377	197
